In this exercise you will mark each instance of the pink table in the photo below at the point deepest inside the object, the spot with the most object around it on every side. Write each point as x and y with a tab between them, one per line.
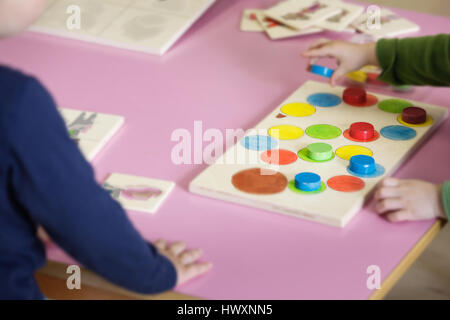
227	79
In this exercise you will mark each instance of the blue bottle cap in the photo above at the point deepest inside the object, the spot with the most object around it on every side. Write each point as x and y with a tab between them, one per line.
362	164
308	181
321	70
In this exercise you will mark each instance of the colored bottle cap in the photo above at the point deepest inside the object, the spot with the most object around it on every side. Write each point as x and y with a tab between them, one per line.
362	164
319	151
321	70
355	95
362	131
414	115
308	181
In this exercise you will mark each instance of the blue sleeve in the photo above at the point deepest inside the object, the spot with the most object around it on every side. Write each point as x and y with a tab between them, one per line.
56	186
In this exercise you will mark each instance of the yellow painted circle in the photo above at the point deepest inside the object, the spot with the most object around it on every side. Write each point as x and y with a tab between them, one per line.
285	132
426	123
346	152
297	109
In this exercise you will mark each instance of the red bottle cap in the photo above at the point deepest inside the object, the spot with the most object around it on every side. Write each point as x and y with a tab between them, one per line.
355	95
414	115
362	131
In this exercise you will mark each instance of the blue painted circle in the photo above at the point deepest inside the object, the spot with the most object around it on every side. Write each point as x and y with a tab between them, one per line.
321	70
308	181
362	164
324	100
379	170
259	143
398	132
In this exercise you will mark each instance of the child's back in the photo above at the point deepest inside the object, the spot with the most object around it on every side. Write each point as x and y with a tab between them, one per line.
44	179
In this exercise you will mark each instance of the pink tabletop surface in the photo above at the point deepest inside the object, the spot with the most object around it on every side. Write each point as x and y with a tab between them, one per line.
227	79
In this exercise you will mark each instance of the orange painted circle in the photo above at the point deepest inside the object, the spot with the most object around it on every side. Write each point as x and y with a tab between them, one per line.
346	183
279	156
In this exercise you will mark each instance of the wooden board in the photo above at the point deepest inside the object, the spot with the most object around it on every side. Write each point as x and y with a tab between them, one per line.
91	130
151	26
329	207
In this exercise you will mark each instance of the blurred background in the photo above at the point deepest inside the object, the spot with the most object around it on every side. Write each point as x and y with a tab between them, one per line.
429	277
437	7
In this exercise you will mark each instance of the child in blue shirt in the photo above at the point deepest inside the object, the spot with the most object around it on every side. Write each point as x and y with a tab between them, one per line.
44	180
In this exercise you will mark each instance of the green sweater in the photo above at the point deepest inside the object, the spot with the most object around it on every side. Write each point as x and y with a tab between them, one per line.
417	61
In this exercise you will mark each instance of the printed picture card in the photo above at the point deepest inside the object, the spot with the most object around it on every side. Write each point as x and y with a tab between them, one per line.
303	14
276	30
138	193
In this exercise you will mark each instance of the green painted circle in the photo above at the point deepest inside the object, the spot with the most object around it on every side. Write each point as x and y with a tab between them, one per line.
394	105
323	131
304	155
292	187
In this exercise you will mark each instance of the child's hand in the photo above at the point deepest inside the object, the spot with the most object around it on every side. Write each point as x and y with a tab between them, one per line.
185	261
350	56
409	200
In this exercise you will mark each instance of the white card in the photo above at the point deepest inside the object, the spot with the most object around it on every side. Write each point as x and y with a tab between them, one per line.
275	30
250	22
391	25
341	21
150	26
138	193
303	14
90	130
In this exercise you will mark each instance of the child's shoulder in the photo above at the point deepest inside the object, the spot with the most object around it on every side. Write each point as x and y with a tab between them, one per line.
11	79
22	98
16	86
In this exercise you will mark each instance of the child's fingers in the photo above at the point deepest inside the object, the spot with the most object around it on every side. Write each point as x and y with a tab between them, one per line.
397	216
190	256
387	192
323	51
160	244
387	205
195	269
337	74
318	43
390	182
177	247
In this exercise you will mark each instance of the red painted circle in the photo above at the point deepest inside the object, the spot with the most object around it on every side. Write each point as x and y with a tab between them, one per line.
354	95
279	156
414	115
346	183
362	131
347	135
371	100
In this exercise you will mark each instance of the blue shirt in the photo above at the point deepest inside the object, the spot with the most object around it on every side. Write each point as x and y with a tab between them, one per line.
45	180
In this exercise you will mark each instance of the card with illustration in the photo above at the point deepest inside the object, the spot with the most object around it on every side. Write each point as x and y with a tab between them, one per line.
276	30
250	22
138	193
90	130
390	24
151	26
303	14
341	21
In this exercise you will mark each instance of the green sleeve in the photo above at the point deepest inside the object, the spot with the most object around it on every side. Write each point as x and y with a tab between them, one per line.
415	61
446	198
